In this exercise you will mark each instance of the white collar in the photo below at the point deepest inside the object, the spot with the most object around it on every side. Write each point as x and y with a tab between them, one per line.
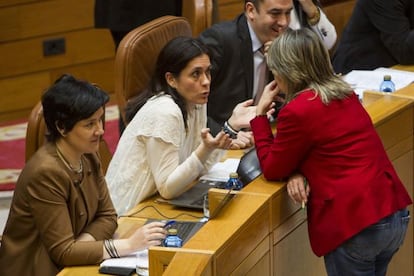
256	44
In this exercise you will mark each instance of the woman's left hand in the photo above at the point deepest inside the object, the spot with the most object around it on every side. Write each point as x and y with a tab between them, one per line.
298	189
221	141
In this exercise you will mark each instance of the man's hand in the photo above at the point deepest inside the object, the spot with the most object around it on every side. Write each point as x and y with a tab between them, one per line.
244	140
309	8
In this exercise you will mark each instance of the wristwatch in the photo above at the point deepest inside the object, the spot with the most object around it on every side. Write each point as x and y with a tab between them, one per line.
229	130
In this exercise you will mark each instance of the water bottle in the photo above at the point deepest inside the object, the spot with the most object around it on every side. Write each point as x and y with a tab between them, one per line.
172	240
387	85
234	182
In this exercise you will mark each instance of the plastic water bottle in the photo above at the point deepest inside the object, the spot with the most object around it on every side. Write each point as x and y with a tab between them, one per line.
387	85
234	182
172	240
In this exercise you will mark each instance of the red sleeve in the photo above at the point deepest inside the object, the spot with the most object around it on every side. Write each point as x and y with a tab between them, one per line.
282	154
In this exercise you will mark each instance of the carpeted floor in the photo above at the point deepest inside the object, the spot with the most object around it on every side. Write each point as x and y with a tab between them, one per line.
12	146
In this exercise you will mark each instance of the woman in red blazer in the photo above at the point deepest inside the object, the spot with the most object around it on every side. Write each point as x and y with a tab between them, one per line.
357	215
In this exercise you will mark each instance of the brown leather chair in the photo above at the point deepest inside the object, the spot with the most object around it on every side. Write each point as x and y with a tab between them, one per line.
35	137
137	54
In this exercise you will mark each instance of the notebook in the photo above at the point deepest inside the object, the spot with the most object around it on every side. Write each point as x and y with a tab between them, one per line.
248	169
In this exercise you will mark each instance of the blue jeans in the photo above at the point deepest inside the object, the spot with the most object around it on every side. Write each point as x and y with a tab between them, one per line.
369	252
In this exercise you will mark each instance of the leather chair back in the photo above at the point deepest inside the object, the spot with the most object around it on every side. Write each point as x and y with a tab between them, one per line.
138	52
200	13
35	133
36	137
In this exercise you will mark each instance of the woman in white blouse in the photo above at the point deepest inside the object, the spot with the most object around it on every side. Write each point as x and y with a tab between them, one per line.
166	144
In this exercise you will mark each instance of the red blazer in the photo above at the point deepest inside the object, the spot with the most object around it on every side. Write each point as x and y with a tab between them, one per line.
353	183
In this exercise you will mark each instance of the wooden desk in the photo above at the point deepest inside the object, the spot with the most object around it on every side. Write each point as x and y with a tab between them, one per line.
261	231
409	68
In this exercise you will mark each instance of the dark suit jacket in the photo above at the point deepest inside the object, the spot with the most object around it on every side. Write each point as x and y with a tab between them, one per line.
232	72
125	15
380	33
336	147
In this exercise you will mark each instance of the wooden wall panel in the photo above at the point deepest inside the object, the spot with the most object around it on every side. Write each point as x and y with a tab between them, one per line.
339	14
25	73
229	9
81	46
25	89
5	3
46	17
100	72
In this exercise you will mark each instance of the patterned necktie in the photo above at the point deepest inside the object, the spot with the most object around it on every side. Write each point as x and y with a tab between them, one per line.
262	75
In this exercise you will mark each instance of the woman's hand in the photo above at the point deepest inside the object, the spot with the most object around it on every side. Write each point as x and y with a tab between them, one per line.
298	189
266	102
148	235
221	141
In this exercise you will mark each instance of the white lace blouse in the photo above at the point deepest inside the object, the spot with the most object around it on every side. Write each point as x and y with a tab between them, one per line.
156	153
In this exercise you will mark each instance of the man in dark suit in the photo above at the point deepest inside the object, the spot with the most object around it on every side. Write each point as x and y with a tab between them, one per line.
237	53
121	16
379	33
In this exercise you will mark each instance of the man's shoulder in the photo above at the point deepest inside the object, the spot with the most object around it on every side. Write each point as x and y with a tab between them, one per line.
226	28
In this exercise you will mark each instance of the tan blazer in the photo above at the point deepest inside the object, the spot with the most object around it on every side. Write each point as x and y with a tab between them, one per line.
49	211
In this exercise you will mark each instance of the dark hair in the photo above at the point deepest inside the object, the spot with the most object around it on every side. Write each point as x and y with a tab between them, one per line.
69	101
173	58
255	3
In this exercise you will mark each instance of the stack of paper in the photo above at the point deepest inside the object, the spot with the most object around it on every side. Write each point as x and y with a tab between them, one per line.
362	80
221	170
137	259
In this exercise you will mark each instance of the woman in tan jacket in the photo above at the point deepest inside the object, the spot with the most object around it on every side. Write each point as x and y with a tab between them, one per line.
61	213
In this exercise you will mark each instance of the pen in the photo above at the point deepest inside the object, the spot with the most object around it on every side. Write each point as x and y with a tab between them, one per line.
305	184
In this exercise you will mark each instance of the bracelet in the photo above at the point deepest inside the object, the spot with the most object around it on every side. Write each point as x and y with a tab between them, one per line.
229	130
315	19
111	249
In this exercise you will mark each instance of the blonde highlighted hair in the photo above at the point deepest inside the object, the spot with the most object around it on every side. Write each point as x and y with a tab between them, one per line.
302	61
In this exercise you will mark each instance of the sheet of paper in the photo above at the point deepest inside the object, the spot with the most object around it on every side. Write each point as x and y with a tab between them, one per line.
139	258
221	170
362	80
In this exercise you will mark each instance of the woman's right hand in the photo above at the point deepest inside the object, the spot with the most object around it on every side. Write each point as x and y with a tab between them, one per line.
267	99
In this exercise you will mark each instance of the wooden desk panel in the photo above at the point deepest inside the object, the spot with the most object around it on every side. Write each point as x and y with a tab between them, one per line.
241	227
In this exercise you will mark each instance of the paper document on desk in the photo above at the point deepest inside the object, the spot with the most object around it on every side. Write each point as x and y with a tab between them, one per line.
362	80
221	170
137	259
